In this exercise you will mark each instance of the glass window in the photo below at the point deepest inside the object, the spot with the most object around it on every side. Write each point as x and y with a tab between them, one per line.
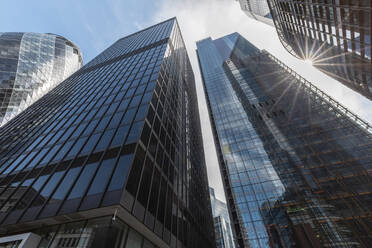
37	185
15	163
48	157
66	135
78	131
135	101
103	123
151	86
115	121
51	185
65	185
90	144
120	175
141	114
63	151
129	93
146	98
134	132
146	132
112	108
162	199
92	235
55	138
140	89
102	177
68	235
129	115
105	140
120	136
76	148
90	128
123	105
147	244
83	181
143	192
134	240
101	112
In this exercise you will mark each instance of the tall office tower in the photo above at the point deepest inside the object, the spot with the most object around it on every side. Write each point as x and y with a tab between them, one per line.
257	9
32	64
296	165
222	226
112	156
334	35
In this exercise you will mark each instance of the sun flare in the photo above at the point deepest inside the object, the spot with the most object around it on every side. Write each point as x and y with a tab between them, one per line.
308	61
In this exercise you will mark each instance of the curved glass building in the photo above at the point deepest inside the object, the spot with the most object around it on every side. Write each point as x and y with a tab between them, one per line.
257	9
31	64
334	35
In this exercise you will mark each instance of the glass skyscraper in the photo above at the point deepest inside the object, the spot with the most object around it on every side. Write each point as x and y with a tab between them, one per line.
222	227
334	34
31	64
296	165
257	9
112	156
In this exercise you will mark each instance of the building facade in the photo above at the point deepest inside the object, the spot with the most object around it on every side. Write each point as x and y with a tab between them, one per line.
31	64
222	226
335	35
112	156
257	9
295	164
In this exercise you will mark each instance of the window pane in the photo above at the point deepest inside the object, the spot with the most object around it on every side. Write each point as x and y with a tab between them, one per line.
66	184
76	148
121	172
134	240
143	192
141	114
68	235
90	144
115	121
50	186
134	132
102	176
105	140
83	181
120	136
129	116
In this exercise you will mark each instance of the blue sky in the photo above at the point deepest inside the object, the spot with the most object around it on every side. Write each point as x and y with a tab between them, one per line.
92	24
95	24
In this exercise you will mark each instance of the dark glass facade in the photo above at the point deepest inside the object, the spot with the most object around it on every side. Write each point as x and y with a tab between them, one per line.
31	64
334	34
121	138
296	164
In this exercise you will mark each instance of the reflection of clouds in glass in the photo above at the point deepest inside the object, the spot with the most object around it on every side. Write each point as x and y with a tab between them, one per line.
253	178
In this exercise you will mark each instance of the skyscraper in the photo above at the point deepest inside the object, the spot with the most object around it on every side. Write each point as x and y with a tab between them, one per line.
334	35
112	156
257	9
295	163
31	64
222	227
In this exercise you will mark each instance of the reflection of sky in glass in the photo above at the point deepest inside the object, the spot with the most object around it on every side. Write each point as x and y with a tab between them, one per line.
252	177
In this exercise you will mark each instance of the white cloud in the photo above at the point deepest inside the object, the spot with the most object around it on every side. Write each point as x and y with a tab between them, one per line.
200	19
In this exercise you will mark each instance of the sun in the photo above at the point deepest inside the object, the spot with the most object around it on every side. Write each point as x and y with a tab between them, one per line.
308	61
